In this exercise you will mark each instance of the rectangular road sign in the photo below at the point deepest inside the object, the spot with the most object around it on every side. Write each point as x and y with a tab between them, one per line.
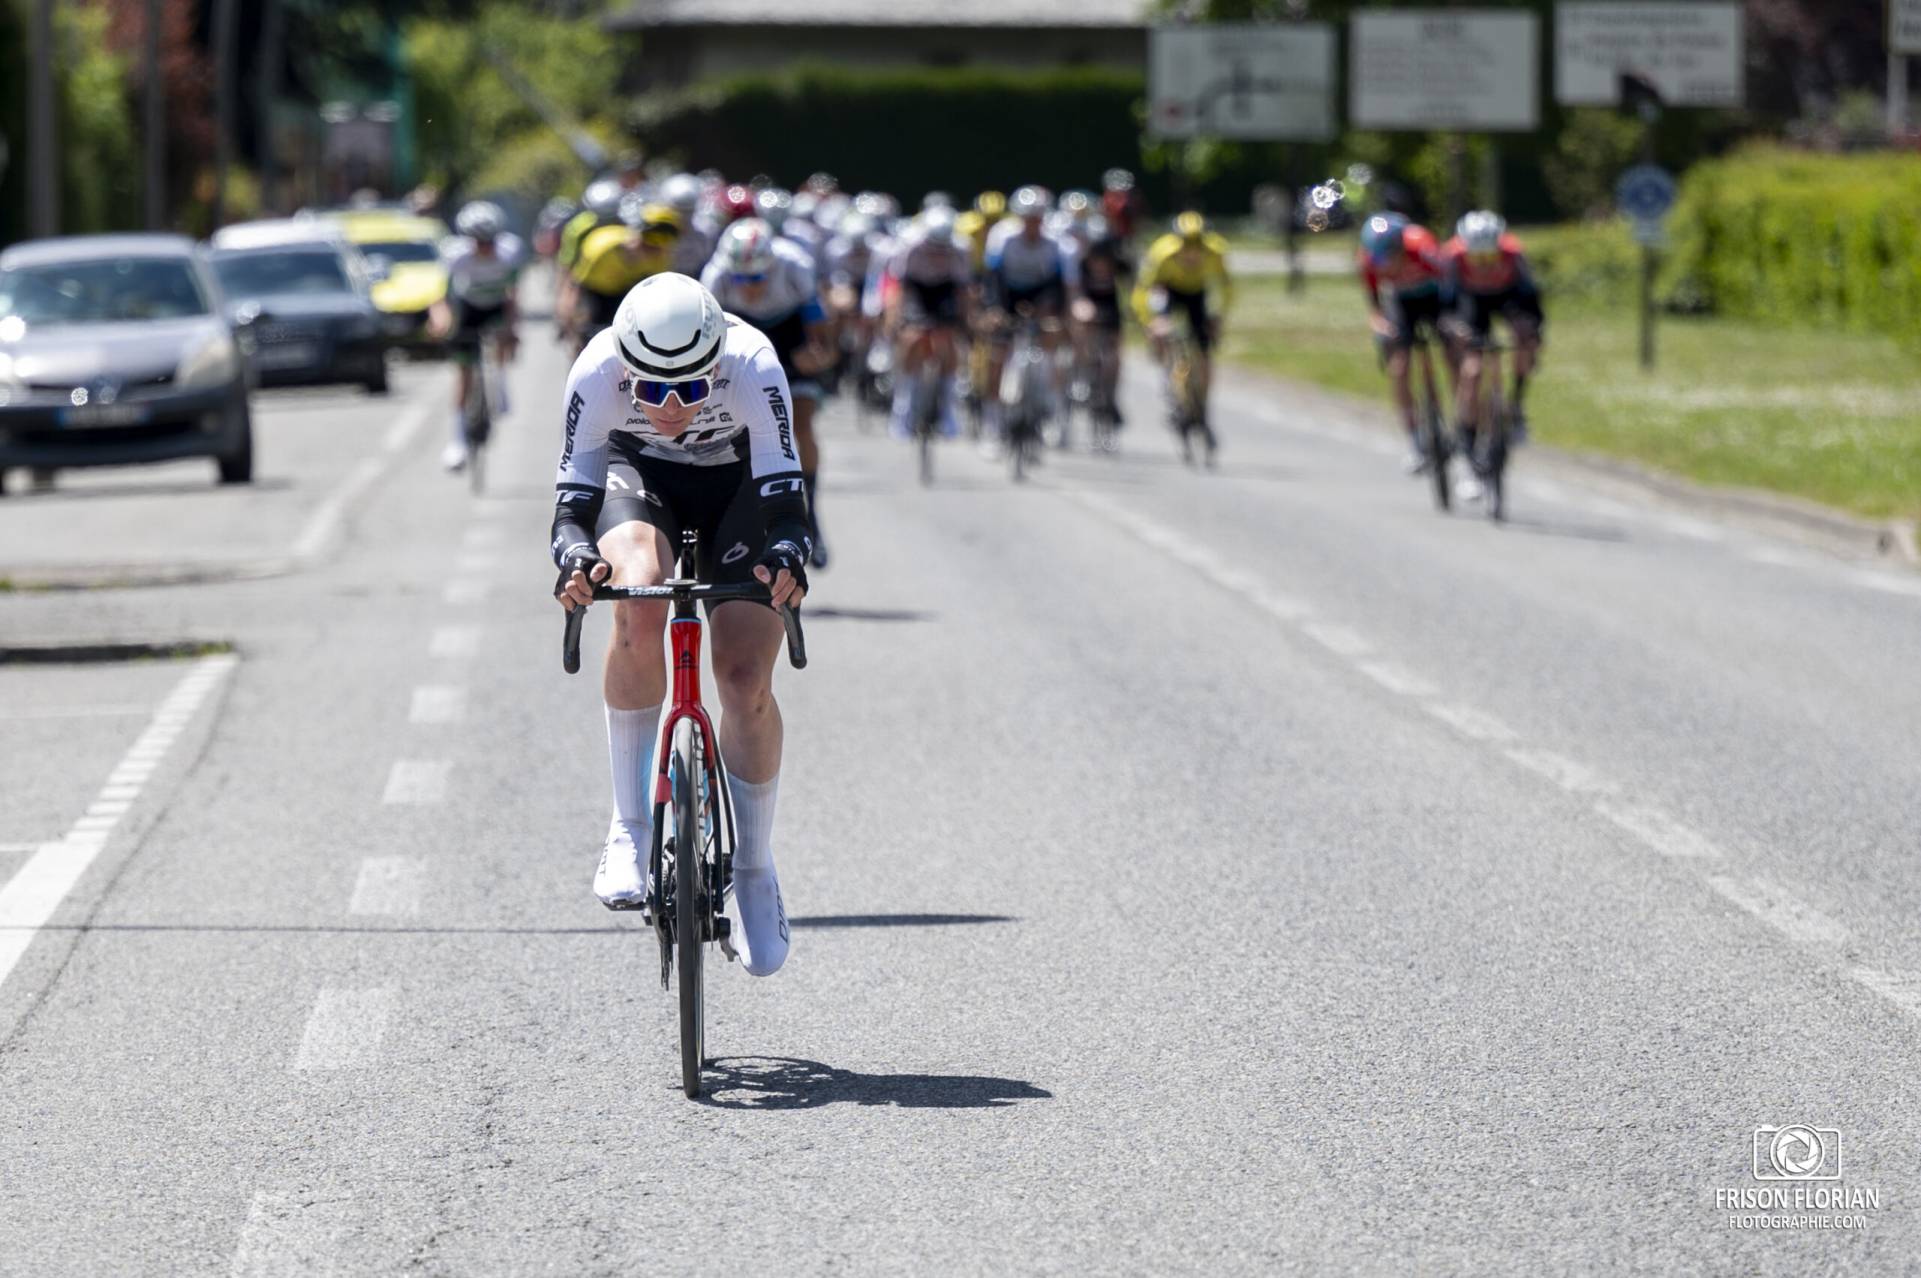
1242	80
1471	69
1904	26
1693	53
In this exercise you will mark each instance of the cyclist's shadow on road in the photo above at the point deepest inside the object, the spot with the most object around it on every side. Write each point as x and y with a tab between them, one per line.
779	1082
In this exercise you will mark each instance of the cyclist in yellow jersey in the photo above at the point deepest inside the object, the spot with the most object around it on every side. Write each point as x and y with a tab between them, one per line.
972	226
610	260
1180	270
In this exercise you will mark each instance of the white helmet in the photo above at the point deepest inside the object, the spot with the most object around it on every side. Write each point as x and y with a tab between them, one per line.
1030	201
937	222
481	220
669	329
773	205
747	247
602	198
1481	231
681	192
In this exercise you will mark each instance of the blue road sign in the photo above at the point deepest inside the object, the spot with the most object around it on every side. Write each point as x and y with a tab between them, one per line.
1645	193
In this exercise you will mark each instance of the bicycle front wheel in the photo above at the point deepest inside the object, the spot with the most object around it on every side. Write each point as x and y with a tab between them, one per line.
690	901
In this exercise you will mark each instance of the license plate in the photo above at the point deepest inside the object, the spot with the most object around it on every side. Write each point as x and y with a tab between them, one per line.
287	355
105	415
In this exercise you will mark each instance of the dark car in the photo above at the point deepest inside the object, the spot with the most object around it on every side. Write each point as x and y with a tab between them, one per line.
115	349
300	292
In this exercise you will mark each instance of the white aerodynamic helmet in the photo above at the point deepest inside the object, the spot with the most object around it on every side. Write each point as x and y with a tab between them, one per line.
1481	231
681	192
747	247
937	222
669	329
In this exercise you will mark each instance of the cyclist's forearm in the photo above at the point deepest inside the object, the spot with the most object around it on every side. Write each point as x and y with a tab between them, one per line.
576	512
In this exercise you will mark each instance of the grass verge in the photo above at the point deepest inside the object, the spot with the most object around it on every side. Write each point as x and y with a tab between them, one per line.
1833	417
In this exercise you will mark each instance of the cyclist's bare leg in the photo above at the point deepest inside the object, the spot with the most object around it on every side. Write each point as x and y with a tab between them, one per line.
636	673
1399	361
747	639
1467	400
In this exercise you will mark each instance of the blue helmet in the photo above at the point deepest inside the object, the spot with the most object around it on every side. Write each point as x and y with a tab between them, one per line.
1381	237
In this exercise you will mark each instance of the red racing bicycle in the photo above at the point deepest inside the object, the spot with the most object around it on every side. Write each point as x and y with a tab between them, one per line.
687	886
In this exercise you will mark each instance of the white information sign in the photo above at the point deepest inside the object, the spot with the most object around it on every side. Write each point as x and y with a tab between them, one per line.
1904	26
1242	80
1476	70
1694	54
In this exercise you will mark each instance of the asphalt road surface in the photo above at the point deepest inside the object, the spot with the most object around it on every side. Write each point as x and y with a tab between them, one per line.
1238	872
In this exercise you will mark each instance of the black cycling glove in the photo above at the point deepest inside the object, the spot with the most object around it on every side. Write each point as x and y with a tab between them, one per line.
580	557
790	552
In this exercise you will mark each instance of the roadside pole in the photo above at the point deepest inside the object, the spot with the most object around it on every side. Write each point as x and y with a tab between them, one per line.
224	15
155	126
1645	193
43	160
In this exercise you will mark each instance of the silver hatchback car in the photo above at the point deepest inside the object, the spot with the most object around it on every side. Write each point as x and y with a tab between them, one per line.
116	349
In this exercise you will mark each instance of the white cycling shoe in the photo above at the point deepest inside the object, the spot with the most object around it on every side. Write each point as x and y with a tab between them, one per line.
761	940
620	881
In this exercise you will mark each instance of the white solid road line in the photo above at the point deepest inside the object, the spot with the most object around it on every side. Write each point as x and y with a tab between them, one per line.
35	892
1397	678
417	781
1477	725
438	703
1338	640
1775	906
323	527
1575	777
344	1029
1659	831
291	1236
389	885
454	643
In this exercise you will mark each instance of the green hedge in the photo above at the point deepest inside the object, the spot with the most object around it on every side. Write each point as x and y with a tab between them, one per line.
1791	237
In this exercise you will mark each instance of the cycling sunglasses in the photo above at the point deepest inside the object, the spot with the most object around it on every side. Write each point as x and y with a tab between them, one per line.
690	393
757	278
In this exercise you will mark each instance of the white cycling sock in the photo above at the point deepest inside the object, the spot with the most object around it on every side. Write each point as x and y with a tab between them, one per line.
753	821
630	751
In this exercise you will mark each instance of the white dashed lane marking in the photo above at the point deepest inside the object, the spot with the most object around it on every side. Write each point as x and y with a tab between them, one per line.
454	643
290	1235
1562	771
1475	724
438	703
1781	910
1397	678
1338	640
389	885
417	781
1659	831
35	892
345	1029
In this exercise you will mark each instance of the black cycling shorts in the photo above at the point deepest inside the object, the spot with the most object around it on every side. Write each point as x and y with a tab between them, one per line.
469	321
1107	309
1518	306
1042	299
787	336
600	308
935	305
1410	313
718	502
1194	306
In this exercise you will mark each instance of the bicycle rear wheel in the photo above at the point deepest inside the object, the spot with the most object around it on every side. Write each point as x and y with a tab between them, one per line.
690	901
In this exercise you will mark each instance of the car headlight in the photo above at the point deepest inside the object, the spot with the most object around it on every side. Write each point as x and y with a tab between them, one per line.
213	362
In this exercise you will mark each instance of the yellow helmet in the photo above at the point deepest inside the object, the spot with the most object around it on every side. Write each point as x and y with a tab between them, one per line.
1190	225
990	204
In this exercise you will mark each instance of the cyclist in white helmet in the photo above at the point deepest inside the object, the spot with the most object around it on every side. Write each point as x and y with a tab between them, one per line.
483	265
681	193
770	283
927	310
676	417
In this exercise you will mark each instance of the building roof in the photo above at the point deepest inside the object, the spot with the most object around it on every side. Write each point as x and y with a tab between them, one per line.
879	13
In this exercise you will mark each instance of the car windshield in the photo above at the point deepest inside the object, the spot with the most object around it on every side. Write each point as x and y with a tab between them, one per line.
403	251
101	290
264	274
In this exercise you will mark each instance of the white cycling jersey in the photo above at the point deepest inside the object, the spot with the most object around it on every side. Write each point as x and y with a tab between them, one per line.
1022	263
919	258
483	281
746	416
789	287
